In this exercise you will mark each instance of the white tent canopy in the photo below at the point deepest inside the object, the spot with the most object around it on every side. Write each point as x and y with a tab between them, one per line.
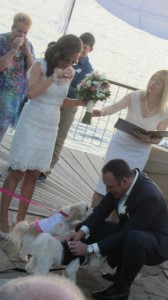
148	15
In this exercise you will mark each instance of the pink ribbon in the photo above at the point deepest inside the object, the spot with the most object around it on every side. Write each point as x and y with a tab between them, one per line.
24	199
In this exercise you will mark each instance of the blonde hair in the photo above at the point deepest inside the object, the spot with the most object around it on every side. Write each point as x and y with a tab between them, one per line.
163	74
22	17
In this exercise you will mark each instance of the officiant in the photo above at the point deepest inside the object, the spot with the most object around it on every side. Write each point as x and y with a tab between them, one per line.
146	109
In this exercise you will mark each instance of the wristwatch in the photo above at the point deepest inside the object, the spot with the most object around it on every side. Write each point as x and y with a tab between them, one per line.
90	249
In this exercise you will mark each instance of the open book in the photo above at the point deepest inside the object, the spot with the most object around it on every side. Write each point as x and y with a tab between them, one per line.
130	128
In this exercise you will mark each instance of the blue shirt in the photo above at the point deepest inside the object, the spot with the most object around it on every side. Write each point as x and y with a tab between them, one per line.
82	68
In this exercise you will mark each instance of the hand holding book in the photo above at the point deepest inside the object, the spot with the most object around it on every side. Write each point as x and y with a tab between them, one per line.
139	132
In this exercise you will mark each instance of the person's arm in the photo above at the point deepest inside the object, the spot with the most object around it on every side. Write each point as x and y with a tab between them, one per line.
68	102
29	54
35	86
100	213
6	59
112	109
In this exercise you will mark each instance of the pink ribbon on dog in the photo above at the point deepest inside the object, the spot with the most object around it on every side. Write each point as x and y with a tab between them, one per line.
24	199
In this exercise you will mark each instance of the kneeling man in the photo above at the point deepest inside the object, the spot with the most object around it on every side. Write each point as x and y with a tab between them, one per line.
139	238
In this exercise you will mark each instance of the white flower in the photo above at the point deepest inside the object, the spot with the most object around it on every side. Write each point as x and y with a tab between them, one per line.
79	86
95	82
99	94
123	210
88	83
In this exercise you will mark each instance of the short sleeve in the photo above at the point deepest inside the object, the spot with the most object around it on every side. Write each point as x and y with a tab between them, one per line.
43	65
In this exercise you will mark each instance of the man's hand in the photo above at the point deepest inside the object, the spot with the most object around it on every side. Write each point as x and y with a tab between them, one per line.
78	248
75	236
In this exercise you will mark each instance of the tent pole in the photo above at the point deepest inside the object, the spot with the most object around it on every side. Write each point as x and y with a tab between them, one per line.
69	17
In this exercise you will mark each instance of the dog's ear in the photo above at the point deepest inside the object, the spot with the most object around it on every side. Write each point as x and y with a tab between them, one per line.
74	212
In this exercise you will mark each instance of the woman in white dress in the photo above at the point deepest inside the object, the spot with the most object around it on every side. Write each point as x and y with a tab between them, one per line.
148	110
33	143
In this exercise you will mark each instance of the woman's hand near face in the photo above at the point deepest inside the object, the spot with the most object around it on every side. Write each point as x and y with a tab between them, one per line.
63	74
17	43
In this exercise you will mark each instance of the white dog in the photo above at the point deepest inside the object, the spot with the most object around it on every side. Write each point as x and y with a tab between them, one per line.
23	234
48	250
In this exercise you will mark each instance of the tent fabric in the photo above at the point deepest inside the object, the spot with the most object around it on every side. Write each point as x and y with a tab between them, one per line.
148	15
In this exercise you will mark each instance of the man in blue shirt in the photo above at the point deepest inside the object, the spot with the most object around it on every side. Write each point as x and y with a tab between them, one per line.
67	114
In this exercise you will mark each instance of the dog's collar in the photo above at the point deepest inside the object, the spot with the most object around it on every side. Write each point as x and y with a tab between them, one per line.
63	213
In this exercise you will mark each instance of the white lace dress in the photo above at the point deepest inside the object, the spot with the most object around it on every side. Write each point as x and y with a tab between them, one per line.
36	131
127	147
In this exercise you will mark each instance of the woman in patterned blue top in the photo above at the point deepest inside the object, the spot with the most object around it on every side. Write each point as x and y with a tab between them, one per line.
16	56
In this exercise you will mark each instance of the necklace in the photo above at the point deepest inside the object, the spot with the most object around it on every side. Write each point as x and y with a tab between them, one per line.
150	111
20	53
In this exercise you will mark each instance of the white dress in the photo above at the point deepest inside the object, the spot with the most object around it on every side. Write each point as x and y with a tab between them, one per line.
36	131
127	147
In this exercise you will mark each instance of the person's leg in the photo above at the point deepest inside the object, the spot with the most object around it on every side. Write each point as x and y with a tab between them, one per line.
138	250
27	190
67	115
10	184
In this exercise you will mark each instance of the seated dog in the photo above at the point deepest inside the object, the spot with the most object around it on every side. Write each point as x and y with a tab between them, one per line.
59	224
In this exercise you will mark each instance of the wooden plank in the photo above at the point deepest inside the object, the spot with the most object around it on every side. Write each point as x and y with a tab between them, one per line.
96	161
77	168
84	161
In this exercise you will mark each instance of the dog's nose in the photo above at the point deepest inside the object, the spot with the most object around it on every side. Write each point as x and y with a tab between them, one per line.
87	208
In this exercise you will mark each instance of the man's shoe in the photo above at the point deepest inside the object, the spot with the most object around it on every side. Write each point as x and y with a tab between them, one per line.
109	276
111	293
42	177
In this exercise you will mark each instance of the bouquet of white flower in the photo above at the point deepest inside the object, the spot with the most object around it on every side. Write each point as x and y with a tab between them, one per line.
94	87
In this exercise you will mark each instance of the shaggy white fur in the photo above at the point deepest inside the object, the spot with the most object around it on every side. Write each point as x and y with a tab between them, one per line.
48	250
23	234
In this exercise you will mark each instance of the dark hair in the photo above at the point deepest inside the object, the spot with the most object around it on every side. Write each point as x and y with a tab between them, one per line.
88	38
64	48
52	43
119	168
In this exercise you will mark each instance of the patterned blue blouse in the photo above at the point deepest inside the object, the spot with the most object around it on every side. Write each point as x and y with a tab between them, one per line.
13	84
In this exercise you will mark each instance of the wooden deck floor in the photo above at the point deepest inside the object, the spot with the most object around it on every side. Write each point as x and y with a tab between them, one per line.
72	180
